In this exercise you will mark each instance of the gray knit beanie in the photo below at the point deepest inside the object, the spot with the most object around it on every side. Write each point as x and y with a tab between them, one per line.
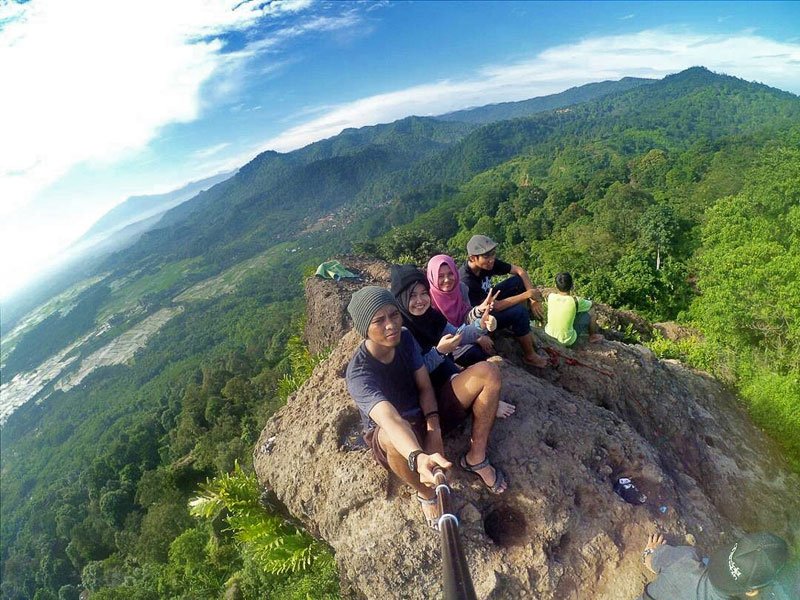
365	303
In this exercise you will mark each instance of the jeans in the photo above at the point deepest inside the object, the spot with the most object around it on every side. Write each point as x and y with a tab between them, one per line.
517	318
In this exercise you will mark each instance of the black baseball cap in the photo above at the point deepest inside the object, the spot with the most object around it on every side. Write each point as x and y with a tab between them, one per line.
752	562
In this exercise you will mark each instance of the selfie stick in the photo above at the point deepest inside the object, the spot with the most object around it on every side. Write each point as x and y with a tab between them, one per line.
457	580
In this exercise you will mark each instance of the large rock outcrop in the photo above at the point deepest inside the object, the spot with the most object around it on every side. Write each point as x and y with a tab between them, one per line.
560	531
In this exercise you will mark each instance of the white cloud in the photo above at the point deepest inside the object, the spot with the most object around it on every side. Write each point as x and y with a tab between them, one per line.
89	84
651	53
211	150
92	80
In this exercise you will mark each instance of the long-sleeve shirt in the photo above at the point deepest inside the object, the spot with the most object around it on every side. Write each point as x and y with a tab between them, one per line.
469	335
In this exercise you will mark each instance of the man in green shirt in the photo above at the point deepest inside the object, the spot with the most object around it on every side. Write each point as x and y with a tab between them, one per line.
569	316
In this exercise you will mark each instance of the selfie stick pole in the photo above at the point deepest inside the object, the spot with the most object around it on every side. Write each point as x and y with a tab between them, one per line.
457	580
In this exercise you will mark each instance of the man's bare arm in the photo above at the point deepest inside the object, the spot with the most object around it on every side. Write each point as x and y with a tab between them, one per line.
397	429
523	274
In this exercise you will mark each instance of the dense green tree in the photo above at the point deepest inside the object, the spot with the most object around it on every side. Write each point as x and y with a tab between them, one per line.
162	524
747	273
115	506
68	592
749	261
620	210
650	170
657	230
103	573
417	245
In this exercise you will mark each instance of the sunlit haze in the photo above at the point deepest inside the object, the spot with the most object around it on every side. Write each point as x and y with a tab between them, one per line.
105	100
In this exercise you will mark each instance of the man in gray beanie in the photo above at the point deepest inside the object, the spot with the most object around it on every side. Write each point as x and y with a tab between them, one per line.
401	416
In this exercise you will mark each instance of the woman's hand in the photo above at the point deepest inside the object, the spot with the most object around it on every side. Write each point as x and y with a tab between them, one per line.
488	304
448	343
488	322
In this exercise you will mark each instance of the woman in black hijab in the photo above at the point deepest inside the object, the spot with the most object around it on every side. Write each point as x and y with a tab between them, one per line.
437	338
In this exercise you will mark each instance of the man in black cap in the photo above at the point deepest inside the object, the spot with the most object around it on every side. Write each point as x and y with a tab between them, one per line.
752	567
516	293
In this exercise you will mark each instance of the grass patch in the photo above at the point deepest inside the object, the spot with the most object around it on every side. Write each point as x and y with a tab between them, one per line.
774	403
147	286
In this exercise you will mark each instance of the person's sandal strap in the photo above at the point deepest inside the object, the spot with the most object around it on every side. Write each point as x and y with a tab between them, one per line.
474	468
499	477
499	481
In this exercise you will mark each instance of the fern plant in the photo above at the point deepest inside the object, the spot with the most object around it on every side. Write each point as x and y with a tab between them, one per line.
269	540
301	362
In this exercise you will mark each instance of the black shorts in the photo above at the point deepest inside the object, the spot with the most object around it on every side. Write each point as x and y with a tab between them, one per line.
451	414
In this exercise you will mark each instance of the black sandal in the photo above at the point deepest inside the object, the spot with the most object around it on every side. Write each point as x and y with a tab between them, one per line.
499	476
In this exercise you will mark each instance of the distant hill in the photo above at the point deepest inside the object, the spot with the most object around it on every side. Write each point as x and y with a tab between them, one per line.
114	231
263	182
139	208
275	196
675	112
525	108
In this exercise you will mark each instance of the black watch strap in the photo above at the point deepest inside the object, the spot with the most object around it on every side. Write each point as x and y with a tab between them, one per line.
412	460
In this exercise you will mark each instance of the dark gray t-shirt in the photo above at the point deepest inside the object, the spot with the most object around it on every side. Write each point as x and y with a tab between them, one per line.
480	284
681	576
369	381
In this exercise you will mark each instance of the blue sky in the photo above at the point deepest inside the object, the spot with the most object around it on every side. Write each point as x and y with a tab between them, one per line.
104	99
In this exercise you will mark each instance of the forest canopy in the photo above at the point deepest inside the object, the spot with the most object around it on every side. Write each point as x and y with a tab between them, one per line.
678	199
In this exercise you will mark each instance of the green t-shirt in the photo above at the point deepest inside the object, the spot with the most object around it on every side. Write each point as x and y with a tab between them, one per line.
561	313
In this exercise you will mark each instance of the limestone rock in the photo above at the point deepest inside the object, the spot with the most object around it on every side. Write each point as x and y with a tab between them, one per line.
560	531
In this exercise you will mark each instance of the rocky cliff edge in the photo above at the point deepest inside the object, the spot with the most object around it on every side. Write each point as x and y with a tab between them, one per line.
560	531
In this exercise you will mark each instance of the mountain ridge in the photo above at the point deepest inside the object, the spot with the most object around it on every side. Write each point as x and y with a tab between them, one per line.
97	477
136	208
503	111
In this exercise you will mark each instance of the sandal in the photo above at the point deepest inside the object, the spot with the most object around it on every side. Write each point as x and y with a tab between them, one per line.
499	476
432	522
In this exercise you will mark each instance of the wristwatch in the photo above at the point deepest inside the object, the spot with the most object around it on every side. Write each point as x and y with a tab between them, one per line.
412	460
